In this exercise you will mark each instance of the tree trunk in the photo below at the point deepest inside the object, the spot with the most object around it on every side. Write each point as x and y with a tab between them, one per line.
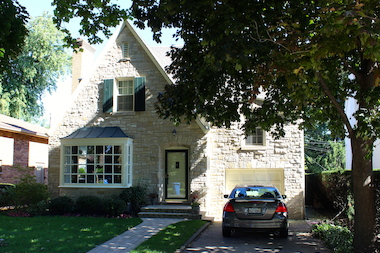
364	195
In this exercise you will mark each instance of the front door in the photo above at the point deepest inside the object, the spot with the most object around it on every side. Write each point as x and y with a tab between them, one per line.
176	174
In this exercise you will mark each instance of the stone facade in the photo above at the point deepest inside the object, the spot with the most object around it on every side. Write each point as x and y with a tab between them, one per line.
210	153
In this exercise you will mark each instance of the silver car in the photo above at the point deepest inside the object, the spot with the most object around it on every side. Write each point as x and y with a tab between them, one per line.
257	208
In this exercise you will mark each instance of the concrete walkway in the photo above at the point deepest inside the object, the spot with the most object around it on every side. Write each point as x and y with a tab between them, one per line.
132	238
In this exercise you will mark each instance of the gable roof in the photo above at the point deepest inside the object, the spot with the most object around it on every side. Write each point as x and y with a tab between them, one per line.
13	125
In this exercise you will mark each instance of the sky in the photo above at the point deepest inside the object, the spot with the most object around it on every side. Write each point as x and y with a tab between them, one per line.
55	103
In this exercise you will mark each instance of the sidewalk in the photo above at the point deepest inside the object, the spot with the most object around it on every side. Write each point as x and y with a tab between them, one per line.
132	238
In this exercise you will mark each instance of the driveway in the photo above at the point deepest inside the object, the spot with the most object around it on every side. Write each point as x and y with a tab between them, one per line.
299	240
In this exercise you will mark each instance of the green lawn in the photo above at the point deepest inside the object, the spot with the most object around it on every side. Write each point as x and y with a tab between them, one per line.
171	238
58	233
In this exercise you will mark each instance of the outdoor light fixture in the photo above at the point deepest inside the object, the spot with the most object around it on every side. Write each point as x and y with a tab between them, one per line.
174	132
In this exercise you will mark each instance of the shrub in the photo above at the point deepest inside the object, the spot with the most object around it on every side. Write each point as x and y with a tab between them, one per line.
88	205
28	193
114	206
335	237
61	205
40	208
135	197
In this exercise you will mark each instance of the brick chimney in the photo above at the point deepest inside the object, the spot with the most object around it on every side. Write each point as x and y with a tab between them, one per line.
82	61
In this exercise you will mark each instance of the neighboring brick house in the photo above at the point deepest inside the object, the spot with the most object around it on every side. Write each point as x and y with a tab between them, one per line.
111	138
22	145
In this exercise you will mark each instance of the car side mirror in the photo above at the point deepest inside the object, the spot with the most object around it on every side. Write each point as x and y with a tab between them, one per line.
284	196
225	196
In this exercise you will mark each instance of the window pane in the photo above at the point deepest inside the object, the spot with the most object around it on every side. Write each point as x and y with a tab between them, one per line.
99	159
99	179
108	169
83	150
108	149
66	179
117	159
67	150
90	149
117	149
117	179
74	150
99	149
117	169
74	159
90	159
74	169
74	179
91	179
125	103
90	168
108	159
67	168
82	169
108	179
67	159
99	169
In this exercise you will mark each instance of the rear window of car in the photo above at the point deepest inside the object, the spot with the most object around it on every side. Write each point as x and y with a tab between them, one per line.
255	192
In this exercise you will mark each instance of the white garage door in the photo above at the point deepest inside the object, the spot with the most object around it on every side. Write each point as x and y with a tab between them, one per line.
273	177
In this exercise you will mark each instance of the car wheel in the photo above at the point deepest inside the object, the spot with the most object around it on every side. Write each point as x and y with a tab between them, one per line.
284	233
226	232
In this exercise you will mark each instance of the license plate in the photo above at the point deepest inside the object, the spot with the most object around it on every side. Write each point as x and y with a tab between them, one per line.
254	210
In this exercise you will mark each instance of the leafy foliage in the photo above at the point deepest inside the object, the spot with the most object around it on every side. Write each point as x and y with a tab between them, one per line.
336	237
36	70
135	197
29	194
96	16
113	207
88	205
61	205
13	31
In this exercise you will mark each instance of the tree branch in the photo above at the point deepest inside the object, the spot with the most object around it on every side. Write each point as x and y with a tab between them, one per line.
337	106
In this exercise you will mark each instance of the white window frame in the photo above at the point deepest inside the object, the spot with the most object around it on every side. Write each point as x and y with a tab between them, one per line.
253	146
116	94
126	162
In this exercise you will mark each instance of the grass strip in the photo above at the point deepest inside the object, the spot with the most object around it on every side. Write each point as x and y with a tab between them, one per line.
171	238
59	233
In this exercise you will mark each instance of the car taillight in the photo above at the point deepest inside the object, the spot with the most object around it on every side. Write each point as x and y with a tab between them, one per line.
281	208
228	208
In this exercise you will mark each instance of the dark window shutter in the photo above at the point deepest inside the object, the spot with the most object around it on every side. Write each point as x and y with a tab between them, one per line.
139	84
108	95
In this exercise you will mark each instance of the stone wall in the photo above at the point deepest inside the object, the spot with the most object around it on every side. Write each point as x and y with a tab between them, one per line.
209	154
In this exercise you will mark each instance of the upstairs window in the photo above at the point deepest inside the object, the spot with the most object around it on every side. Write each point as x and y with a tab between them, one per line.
254	141
124	94
256	138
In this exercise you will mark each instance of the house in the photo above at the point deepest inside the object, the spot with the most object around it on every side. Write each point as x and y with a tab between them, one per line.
22	145
351	107
111	138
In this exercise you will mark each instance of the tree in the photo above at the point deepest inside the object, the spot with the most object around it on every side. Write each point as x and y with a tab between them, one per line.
13	31
42	61
307	56
322	152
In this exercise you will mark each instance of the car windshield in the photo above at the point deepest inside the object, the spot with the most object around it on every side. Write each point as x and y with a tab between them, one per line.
255	193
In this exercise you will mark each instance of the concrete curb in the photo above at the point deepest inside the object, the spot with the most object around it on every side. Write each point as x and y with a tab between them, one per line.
193	237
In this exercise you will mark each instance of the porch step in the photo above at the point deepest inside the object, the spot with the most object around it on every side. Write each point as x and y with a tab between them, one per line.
168	211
